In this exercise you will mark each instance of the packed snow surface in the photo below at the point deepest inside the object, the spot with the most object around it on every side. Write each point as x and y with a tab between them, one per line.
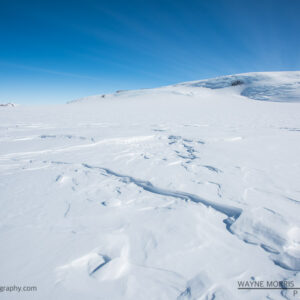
178	192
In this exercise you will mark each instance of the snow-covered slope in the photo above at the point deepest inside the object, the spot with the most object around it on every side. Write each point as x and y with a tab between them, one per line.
279	87
267	86
178	192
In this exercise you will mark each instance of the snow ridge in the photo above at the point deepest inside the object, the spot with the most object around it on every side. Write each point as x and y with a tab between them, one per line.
233	213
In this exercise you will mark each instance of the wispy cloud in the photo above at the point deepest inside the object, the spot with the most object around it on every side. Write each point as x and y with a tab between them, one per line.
49	71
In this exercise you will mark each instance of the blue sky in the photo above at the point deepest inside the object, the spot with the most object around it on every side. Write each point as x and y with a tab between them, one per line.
56	51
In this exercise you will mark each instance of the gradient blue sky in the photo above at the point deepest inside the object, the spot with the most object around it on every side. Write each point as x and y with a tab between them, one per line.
56	51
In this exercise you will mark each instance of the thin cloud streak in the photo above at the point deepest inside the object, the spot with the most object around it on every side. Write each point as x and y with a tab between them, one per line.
49	71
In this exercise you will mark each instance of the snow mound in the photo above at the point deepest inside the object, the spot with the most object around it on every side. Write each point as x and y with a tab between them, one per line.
7	105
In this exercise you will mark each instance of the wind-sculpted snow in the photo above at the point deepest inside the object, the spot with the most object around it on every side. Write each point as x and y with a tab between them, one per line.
226	81
178	192
257	86
230	212
282	93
